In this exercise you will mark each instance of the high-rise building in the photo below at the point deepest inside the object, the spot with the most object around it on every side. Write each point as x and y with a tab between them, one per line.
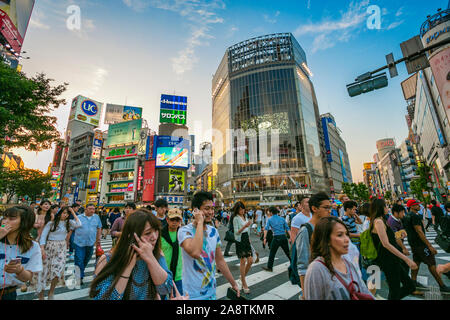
262	85
409	163
337	164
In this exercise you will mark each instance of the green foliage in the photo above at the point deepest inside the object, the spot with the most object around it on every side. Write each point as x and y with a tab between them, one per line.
355	191
25	182
388	195
420	184
25	108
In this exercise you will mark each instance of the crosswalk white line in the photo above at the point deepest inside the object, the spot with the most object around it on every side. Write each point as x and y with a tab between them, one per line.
283	292
254	278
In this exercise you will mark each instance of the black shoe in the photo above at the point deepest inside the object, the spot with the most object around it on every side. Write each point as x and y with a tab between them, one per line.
447	274
419	285
268	269
444	289
81	282
227	255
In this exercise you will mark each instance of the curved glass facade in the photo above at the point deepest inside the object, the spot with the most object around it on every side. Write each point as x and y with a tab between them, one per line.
266	88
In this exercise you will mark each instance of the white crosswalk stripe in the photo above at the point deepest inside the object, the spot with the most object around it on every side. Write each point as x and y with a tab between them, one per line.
266	285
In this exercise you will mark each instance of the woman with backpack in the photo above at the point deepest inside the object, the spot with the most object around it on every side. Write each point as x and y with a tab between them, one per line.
390	258
54	249
330	275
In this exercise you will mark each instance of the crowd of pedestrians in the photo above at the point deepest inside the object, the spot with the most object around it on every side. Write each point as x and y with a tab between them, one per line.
174	254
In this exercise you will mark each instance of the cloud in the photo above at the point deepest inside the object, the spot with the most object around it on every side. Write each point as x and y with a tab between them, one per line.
98	79
271	20
201	15
399	12
329	32
394	25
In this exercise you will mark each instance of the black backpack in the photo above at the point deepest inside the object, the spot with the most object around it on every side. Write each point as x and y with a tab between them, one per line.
229	235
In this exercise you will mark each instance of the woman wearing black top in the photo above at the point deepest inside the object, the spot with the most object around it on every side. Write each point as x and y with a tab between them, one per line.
390	258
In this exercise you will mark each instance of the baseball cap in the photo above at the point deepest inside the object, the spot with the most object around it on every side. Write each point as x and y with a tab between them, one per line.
412	202
174	213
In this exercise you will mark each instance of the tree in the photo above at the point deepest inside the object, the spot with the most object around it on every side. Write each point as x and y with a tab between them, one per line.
388	195
421	184
9	183
25	108
362	192
349	190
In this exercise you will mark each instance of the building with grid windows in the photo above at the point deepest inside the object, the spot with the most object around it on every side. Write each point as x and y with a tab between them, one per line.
262	85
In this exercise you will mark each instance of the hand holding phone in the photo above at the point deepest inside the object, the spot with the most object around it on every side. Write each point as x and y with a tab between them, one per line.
15	261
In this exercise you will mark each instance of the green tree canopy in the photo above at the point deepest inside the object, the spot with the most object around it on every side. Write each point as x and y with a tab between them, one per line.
26	105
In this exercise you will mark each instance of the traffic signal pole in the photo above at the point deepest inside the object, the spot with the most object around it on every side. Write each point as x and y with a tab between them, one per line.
368	75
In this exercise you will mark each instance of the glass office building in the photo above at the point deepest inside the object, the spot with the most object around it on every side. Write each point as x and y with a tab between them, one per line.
263	84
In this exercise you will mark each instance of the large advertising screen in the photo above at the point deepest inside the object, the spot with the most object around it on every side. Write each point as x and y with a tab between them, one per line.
176	181
118	113
14	18
124	132
173	109
86	110
172	157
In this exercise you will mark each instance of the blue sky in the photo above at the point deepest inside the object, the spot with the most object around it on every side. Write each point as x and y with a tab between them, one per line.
133	50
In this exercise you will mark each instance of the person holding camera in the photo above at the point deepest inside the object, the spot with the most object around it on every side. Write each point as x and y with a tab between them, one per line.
200	243
20	256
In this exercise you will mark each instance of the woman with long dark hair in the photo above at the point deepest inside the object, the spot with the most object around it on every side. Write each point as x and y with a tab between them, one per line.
136	268
329	269
43	216
54	249
243	247
20	256
390	258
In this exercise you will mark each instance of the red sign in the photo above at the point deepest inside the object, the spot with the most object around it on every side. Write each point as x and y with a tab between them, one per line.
10	32
149	181
385	143
140	177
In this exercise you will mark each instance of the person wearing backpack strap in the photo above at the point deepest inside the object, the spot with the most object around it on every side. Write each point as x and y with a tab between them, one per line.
331	276
320	207
229	242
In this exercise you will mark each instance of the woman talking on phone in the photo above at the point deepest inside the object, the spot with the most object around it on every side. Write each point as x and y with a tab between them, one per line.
20	256
136	268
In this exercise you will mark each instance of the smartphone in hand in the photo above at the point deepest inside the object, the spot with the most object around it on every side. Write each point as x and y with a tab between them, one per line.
15	261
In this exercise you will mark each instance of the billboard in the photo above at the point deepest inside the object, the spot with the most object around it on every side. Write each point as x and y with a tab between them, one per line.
176	181
172	157
148	193
122	153
118	113
440	66
86	110
344	172
327	138
368	165
14	18
124	132
58	154
94	176
173	109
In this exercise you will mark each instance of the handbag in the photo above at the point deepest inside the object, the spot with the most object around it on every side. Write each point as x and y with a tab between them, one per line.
99	251
177	295
443	242
232	295
355	294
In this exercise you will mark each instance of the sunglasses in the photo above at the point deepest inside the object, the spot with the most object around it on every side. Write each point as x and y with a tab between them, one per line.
175	219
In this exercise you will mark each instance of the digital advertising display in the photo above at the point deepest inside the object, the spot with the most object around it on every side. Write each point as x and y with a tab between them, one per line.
173	109
115	113
176	180
172	157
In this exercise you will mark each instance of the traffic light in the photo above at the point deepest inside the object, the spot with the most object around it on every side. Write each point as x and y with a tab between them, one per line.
376	82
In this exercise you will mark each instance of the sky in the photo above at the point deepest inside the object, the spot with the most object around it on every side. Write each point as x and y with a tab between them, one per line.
131	51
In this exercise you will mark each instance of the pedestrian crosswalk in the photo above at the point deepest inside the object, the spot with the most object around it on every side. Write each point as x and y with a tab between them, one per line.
264	285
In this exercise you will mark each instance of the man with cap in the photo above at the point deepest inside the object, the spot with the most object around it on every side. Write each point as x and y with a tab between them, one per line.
171	247
421	248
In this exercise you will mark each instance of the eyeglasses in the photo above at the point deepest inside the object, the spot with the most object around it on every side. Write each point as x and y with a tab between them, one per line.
328	208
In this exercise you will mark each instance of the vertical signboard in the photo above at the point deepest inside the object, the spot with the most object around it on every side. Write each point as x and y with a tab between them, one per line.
148	193
440	65
344	171
173	109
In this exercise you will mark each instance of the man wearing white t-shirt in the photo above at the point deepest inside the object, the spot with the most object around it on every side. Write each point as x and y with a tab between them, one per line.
301	218
258	220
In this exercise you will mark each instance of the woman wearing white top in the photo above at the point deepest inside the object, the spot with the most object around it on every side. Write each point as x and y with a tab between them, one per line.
20	256
54	250
243	247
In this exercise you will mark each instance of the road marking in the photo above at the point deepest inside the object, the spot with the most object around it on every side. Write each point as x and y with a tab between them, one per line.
283	292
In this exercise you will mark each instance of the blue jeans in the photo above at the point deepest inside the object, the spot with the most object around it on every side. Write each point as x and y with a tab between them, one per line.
179	285
82	257
9	296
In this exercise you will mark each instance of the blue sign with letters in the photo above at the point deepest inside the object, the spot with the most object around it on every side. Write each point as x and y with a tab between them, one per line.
89	107
97	143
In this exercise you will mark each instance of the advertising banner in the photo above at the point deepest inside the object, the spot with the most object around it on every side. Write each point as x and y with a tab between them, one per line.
93	179
176	181
170	157
149	154
57	155
86	110
124	132
14	19
148	194
121	153
173	109
119	113
344	172
440	65
327	139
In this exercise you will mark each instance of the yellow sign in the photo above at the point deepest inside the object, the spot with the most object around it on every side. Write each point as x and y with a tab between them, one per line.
93	179
368	165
